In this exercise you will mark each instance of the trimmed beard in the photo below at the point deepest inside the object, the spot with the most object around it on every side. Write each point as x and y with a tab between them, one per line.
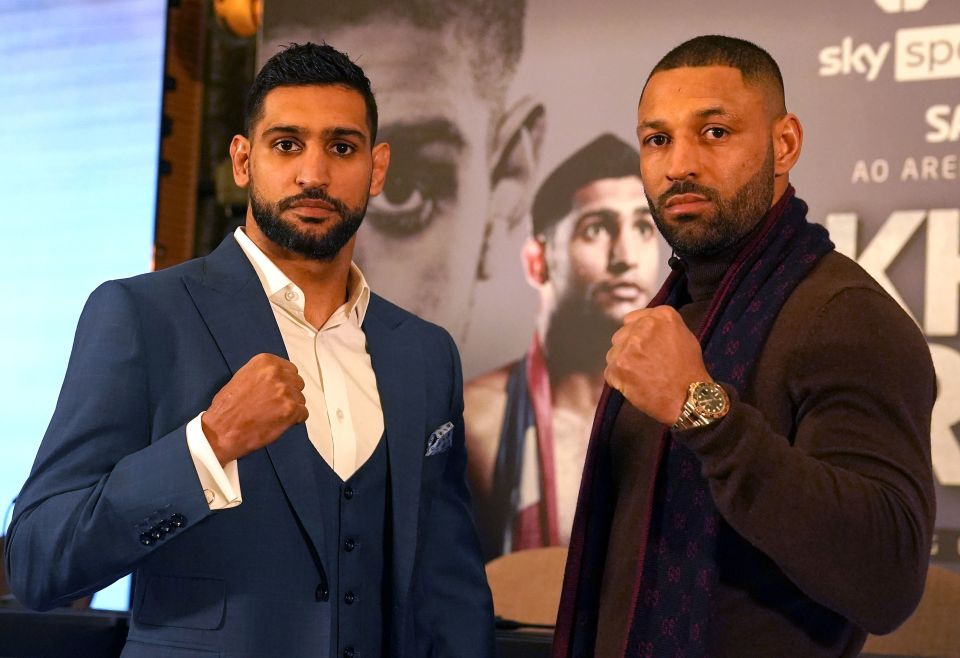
286	234
734	217
578	337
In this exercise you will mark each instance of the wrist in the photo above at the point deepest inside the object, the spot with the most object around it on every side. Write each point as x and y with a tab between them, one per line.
706	403
210	433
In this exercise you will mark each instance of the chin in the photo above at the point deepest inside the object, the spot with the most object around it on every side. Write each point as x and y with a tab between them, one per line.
617	312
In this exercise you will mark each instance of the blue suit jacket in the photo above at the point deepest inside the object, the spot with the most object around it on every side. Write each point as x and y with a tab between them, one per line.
149	355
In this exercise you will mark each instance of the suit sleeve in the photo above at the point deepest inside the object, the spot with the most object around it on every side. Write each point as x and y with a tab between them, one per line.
103	478
847	510
454	610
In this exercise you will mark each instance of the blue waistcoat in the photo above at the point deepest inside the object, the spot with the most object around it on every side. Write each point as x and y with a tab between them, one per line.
357	536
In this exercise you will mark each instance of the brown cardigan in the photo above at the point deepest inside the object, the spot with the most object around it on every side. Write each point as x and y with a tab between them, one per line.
821	473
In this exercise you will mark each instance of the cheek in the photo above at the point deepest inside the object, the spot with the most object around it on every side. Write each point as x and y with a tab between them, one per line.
588	262
649	170
649	261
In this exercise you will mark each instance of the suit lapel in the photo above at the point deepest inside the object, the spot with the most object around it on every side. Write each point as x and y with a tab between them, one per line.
397	357
235	309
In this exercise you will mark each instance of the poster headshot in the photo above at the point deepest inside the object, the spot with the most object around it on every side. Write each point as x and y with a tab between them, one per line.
592	256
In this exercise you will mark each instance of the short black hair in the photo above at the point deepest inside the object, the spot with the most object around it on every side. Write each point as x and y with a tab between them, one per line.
308	64
754	63
494	26
605	157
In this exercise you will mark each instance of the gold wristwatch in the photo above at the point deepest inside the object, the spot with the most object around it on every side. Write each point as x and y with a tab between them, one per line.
706	403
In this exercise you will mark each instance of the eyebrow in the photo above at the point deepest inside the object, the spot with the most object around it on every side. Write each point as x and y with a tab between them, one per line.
327	133
422	132
714	111
603	214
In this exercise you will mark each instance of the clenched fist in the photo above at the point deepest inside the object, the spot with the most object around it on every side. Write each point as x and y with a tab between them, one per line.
653	361
261	400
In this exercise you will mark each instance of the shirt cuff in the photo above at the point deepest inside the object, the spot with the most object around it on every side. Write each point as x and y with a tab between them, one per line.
221	485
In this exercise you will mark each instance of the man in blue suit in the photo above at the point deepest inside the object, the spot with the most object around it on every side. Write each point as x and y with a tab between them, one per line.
276	452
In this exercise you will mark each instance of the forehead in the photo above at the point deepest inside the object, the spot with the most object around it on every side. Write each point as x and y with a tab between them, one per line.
314	107
419	75
675	94
610	192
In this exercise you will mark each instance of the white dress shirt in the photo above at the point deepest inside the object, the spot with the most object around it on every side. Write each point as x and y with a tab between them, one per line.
346	419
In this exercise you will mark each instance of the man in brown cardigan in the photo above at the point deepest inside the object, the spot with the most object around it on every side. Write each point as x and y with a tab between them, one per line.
758	481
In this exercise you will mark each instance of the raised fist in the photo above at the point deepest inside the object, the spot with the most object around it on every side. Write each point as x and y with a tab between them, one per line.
257	405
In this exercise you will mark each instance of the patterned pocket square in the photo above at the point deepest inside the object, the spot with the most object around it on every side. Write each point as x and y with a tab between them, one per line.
440	440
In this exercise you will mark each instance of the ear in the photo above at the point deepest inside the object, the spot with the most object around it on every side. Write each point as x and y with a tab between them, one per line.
514	160
240	158
534	256
513	165
787	143
381	162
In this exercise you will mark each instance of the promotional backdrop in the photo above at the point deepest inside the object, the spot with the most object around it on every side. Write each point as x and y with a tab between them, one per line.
479	111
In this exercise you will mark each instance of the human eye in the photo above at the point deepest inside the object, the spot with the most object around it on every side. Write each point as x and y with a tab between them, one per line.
594	227
421	186
343	148
656	140
716	132
645	228
286	146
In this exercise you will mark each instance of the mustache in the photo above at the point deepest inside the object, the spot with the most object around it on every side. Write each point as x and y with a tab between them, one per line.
313	194
687	187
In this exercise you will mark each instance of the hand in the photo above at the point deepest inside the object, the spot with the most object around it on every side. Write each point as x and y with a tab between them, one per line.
653	361
257	405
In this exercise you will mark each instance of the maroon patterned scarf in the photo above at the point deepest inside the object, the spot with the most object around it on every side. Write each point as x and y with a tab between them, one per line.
677	571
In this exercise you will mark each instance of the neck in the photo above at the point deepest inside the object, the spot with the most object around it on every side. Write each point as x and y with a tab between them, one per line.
324	283
704	273
577	391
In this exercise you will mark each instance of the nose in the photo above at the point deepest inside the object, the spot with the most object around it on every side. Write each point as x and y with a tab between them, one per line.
314	169
624	249
684	160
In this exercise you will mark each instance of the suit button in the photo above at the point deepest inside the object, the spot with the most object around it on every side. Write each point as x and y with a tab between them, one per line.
322	593
155	532
177	520
164	527
349	598
348	492
147	540
349	545
349	652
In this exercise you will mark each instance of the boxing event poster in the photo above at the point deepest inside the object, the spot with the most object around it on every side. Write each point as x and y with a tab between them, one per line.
483	101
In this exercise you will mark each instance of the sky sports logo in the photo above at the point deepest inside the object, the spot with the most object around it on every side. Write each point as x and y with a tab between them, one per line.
922	53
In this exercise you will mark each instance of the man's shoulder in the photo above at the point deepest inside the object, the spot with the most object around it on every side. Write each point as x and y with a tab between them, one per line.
484	405
840	293
492	383
192	267
835	275
149	287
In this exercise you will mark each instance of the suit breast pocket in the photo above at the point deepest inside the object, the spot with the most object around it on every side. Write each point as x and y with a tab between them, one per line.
183	602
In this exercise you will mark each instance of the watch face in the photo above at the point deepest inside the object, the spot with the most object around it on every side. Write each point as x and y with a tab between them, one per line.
709	400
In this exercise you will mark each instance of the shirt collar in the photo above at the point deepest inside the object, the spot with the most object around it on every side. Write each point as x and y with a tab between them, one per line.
274	280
